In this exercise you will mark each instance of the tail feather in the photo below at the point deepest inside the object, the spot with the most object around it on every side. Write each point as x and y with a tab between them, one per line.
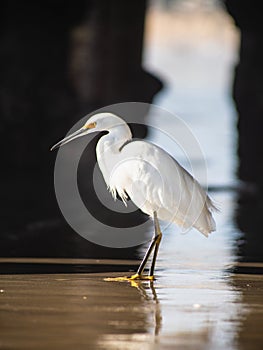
206	223
212	205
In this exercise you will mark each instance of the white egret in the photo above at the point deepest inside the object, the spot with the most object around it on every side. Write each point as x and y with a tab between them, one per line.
154	181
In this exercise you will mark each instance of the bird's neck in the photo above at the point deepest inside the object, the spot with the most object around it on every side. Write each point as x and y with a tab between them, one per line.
114	140
109	148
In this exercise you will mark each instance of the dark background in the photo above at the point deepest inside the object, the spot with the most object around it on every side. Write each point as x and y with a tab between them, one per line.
59	61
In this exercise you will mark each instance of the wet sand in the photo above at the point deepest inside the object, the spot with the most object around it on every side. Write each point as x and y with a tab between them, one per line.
186	310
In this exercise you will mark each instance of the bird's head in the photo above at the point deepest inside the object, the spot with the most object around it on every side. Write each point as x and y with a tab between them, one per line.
96	123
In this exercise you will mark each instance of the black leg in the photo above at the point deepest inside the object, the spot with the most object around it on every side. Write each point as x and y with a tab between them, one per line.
146	256
158	236
154	244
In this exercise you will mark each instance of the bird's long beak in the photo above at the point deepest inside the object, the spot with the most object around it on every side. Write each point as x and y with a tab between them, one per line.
69	138
81	132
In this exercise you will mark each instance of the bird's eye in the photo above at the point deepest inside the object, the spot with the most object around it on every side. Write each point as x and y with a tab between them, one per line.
90	125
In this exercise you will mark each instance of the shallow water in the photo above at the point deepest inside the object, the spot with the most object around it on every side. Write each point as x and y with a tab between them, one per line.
191	306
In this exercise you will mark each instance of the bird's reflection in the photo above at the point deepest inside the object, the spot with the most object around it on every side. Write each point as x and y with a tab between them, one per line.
148	292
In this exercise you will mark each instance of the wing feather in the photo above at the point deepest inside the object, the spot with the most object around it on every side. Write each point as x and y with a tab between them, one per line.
156	182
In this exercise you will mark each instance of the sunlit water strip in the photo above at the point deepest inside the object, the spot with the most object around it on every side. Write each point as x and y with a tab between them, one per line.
195	57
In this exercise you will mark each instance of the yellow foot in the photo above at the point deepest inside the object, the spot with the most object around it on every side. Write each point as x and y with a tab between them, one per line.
118	279
135	277
141	277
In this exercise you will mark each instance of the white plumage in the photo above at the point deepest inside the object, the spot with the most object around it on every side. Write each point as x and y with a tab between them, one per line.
154	181
151	178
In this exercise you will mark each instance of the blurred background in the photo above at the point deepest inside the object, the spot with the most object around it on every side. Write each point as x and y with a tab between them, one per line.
202	61
59	61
